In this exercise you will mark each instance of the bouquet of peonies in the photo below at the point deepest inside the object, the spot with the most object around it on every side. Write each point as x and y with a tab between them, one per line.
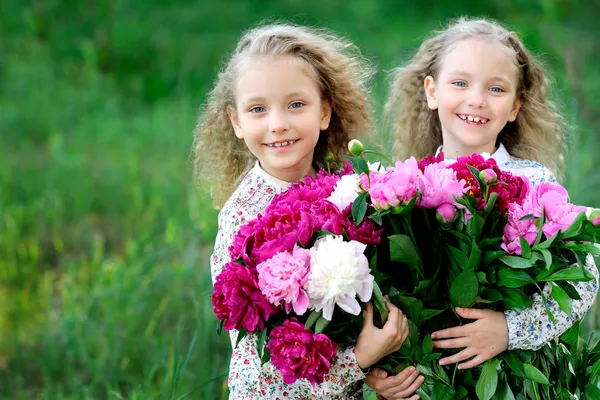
431	237
472	235
291	267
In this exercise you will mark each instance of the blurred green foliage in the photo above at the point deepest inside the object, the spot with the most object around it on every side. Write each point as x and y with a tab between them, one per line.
104	236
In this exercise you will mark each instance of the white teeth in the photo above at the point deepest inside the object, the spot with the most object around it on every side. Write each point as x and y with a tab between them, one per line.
470	119
476	119
281	144
462	117
483	120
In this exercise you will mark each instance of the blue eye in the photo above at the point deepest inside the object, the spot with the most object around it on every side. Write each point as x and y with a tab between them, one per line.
296	104
497	89
460	84
257	110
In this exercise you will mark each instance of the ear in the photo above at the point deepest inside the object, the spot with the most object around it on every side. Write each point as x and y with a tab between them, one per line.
429	85
515	110
326	111
233	117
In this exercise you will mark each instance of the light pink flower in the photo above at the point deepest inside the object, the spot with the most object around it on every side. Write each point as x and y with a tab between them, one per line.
281	278
546	197
397	186
439	185
488	176
560	218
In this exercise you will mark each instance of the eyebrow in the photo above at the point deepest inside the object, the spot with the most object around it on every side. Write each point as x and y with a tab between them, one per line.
258	99
501	78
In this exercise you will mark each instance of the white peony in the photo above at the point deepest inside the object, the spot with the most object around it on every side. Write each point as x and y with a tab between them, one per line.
347	188
339	272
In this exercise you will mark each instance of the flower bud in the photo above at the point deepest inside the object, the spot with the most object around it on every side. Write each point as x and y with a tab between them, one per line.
356	147
488	176
595	217
329	156
446	213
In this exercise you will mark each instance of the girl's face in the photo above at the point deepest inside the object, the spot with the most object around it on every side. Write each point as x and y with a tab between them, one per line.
279	113
475	95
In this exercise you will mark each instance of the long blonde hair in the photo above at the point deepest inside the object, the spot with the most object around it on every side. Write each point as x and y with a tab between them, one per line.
537	134
342	76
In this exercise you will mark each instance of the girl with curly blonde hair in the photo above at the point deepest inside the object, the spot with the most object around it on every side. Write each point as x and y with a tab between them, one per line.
474	88
286	97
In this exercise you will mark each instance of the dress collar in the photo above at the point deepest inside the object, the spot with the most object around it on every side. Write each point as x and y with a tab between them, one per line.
500	155
271	180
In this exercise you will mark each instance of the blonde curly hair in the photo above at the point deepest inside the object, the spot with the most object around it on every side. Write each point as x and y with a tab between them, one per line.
537	134
342	76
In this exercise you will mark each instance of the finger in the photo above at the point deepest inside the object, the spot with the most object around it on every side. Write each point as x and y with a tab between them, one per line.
451	343
378	372
383	386
408	381
471	313
393	316
473	363
458	357
410	390
368	315
454	332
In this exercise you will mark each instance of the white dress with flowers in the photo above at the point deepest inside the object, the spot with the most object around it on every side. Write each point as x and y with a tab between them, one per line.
249	380
531	328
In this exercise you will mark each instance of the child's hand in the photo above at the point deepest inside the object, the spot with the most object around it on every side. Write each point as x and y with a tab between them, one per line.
483	339
397	387
373	343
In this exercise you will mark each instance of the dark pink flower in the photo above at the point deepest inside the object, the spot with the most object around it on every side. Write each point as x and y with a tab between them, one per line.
298	353
515	229
238	301
430	159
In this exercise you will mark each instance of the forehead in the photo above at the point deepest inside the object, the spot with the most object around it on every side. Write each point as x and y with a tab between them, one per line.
481	57
267	73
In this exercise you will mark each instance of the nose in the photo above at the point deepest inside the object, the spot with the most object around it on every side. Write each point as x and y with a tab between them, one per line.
278	122
476	98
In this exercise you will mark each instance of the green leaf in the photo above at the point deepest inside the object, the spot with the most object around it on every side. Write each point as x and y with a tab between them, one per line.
489	242
514	363
220	327
535	374
547	258
504	392
459	256
525	249
403	250
377	218
515	299
359	208
464	289
474	226
592	392
571	335
562	298
430	313
359	165
490	204
546	243
380	303
513	278
260	343
321	324
427	345
569	289
475	256
488	380
266	356
241	334
516	262
575	228
312	318
570	274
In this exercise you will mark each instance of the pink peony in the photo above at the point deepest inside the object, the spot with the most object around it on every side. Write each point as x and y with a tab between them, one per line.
297	353
366	232
515	229
439	185
397	186
365	182
281	278
238	301
560	218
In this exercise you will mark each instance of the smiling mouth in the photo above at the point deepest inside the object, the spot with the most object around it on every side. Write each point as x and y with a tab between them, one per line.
282	144
473	120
